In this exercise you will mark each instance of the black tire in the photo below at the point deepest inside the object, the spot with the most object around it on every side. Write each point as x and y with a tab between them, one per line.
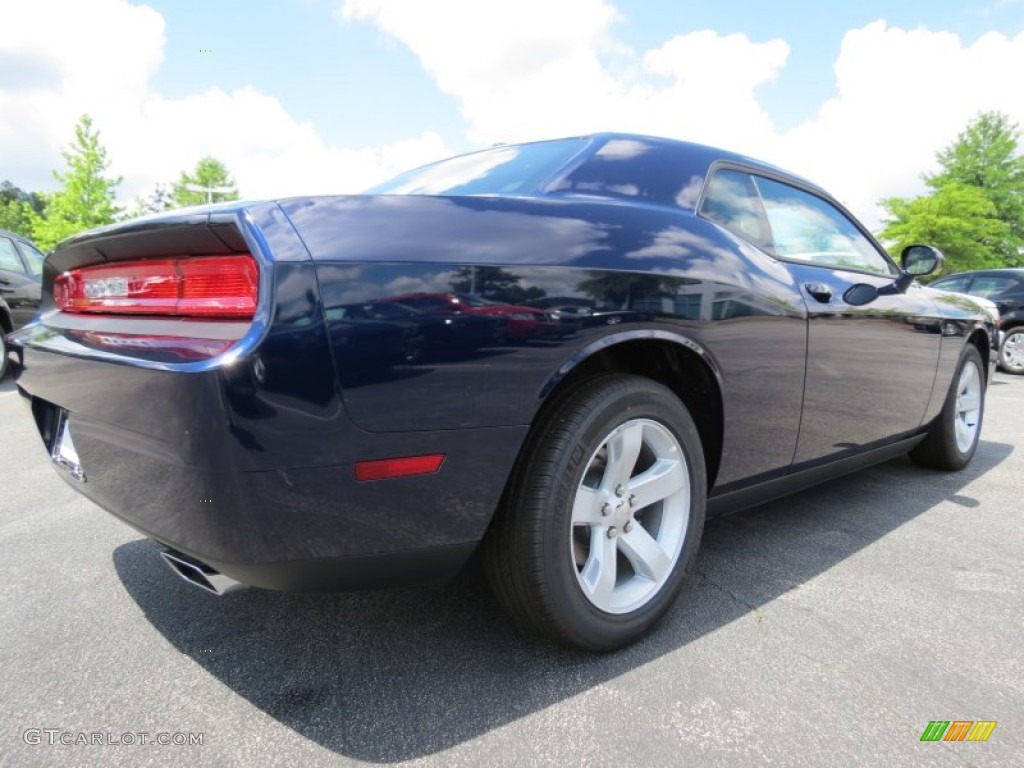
939	449
1012	363
532	551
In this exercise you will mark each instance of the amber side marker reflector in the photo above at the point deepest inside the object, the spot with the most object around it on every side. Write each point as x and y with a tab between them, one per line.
386	469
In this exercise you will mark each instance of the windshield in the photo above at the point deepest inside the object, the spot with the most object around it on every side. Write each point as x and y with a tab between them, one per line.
500	170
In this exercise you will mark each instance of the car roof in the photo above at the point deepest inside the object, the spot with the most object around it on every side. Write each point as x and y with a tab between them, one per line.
16	236
993	272
707	154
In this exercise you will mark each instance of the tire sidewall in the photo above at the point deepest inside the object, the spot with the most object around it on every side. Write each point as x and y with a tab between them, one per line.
949	415
595	627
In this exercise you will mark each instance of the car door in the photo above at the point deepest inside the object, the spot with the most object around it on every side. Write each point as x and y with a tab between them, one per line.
20	283
870	368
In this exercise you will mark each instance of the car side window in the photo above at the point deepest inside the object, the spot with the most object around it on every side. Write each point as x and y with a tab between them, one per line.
807	228
33	257
954	284
9	256
988	286
731	199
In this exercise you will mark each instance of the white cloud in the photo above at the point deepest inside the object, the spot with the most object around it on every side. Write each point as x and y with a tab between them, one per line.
51	73
543	71
901	95
546	69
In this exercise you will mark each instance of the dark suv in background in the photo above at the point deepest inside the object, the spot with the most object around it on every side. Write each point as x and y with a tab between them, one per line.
1005	288
21	269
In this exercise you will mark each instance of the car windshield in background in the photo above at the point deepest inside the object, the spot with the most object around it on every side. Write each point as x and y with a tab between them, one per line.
500	170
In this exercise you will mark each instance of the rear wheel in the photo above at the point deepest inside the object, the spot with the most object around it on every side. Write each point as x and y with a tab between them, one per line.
953	437
1011	352
603	515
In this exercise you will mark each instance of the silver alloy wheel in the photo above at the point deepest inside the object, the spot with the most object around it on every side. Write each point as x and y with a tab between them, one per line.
968	406
630	516
1013	350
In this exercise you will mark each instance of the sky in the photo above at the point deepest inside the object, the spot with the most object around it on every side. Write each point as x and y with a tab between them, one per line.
333	96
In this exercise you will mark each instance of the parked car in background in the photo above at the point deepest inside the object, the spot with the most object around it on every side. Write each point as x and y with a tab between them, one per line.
1005	288
515	322
765	342
21	269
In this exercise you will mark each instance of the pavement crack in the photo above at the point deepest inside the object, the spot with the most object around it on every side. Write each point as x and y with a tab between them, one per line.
725	591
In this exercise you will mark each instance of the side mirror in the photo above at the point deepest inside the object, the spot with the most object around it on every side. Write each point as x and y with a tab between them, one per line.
859	294
919	260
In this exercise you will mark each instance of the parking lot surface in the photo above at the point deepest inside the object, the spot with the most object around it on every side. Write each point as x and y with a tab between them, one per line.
828	628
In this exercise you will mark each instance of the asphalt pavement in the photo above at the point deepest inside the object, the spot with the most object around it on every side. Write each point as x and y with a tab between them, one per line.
829	628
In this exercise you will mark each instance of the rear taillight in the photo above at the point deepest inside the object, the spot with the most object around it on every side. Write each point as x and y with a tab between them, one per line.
201	286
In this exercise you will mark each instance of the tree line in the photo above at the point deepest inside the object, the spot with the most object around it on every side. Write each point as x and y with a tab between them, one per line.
86	194
973	210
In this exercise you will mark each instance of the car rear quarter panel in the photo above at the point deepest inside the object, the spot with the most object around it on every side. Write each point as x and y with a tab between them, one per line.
692	283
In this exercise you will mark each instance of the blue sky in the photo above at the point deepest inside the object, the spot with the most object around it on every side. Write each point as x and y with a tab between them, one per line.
331	95
360	86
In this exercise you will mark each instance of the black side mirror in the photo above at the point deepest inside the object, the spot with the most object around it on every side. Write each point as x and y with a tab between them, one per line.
859	294
917	260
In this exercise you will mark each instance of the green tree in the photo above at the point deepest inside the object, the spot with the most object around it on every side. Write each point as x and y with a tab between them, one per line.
210	174
19	208
86	196
974	212
958	219
986	156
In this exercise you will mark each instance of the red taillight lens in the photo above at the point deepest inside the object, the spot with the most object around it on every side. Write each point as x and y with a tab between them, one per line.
204	286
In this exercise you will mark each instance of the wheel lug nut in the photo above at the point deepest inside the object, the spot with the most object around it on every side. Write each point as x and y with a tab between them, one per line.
619	490
606	509
632	499
612	532
628	526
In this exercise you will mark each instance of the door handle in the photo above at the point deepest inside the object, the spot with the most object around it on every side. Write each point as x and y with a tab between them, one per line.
819	291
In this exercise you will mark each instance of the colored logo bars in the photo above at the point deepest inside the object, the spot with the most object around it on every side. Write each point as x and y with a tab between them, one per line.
958	730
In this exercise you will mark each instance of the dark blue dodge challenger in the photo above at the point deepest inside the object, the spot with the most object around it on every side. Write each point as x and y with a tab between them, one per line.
323	392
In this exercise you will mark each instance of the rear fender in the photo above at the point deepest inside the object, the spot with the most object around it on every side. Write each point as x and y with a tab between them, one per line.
623	337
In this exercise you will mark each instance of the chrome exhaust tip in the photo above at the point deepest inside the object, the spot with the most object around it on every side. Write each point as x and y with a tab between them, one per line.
200	574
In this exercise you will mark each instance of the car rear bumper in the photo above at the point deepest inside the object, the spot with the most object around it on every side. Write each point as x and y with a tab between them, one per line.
260	485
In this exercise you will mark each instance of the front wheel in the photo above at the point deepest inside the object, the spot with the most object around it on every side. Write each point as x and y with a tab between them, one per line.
602	516
953	437
1011	351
